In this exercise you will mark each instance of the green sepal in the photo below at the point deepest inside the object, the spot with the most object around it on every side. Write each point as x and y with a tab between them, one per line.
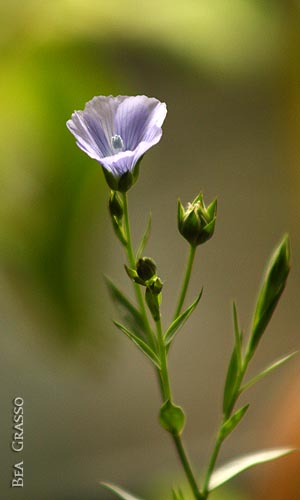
172	417
124	495
212	209
128	312
235	467
232	422
272	287
145	238
124	182
140	344
179	322
133	275
268	370
230	383
152	300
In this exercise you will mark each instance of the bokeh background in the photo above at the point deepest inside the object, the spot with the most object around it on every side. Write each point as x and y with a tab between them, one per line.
230	74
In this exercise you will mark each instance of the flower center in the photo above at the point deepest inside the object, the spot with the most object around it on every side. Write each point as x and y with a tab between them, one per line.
117	144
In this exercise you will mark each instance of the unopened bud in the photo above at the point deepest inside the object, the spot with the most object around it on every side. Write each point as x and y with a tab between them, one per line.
146	268
196	223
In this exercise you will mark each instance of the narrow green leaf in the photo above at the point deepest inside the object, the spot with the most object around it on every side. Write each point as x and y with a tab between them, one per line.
238	335
230	383
231	469
139	343
124	495
145	238
269	369
129	314
233	421
177	495
179	322
270	292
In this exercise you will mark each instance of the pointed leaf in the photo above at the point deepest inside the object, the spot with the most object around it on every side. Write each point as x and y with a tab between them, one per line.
233	421
177	495
128	312
124	495
228	471
139	343
145	238
179	322
238	335
230	383
270	292
269	369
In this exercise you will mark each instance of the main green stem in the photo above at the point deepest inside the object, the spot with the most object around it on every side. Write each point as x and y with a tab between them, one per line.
186	280
163	373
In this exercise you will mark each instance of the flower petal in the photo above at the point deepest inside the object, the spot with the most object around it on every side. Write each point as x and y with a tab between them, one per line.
120	163
135	116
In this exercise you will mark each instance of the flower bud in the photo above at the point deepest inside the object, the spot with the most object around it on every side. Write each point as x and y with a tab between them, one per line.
115	205
196	223
146	268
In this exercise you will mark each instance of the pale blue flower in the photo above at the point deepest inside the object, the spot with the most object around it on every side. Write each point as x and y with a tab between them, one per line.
117	131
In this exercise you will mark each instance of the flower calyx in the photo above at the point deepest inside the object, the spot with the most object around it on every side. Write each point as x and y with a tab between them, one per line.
197	222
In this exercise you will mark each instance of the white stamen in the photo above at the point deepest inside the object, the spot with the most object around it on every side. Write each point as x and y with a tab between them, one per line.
117	143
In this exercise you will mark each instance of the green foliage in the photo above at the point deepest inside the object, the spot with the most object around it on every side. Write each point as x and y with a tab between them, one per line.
268	370
234	368
140	344
232	422
171	417
232	469
231	381
179	322
270	291
128	312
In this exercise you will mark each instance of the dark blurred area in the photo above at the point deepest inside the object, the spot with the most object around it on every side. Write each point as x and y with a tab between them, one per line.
230	75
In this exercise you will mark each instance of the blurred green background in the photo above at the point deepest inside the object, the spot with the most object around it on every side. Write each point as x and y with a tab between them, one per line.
230	74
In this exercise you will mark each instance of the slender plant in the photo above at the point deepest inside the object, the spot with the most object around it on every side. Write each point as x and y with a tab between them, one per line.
117	131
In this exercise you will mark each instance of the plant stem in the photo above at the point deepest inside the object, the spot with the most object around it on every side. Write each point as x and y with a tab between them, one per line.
132	263
167	395
186	280
164	363
163	374
187	467
211	464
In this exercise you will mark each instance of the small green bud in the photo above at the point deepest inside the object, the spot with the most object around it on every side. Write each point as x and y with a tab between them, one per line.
146	268
196	223
172	417
115	205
